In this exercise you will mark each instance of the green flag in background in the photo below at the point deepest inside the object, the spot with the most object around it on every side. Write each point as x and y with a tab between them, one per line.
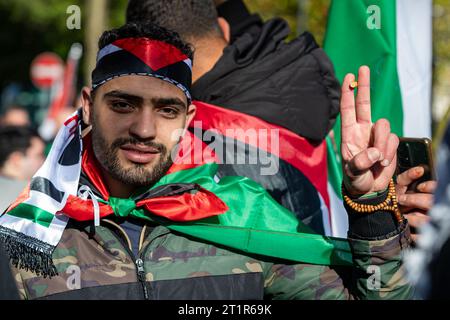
393	38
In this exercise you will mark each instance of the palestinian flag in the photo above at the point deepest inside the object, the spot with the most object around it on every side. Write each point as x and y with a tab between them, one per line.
288	166
393	38
191	198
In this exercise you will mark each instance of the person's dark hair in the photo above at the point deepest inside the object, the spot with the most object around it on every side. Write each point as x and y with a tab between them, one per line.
14	139
192	19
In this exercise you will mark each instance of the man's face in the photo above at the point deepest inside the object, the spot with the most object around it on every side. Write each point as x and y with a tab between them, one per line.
133	120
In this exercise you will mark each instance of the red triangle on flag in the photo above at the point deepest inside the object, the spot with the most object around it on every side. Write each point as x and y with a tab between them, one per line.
156	54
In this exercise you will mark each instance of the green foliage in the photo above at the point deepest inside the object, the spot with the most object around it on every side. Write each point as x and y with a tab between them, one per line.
117	9
441	37
315	14
286	9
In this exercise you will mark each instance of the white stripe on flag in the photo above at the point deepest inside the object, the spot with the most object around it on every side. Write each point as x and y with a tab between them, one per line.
64	178
45	202
325	216
414	60
50	235
339	218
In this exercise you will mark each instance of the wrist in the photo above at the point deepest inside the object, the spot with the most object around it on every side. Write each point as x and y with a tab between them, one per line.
369	195
387	203
353	193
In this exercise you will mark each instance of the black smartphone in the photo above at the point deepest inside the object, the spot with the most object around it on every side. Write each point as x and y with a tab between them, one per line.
414	152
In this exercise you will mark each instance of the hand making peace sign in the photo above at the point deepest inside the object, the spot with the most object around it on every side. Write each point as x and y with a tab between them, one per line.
369	150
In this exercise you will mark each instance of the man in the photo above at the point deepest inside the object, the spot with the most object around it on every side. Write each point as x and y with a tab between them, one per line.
244	64
21	155
112	214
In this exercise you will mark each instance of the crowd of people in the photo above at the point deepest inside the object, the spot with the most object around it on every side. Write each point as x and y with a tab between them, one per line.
112	207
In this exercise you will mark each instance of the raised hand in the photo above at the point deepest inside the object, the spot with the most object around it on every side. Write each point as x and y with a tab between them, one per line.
369	151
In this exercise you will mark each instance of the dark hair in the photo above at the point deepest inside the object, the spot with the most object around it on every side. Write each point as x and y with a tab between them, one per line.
190	18
15	138
147	30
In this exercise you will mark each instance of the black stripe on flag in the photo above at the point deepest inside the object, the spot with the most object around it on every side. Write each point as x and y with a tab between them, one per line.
45	186
71	154
288	185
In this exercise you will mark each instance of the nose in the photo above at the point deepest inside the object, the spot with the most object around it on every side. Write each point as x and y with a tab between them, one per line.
144	125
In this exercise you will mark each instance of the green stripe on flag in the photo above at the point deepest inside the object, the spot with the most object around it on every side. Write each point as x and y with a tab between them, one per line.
255	222
35	214
352	40
299	247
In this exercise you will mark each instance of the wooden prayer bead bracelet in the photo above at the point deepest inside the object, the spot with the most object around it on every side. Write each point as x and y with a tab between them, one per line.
389	204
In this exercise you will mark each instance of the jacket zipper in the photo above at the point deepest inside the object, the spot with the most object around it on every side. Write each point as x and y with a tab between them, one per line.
141	277
139	263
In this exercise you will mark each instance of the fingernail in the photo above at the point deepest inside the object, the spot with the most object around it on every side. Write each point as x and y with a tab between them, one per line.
402	198
374	155
385	163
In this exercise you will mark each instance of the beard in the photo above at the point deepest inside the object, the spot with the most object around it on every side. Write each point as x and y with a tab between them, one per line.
138	175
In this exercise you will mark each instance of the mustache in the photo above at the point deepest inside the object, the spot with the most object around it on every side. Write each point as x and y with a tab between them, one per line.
133	141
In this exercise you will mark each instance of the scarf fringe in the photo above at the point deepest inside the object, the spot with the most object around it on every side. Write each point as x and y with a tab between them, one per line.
28	253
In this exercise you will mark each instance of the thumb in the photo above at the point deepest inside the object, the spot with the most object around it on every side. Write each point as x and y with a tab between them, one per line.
362	162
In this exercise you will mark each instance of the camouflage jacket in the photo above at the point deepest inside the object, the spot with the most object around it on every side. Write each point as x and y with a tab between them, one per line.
98	264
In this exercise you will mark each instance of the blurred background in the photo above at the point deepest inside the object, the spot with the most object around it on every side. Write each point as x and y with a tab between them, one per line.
43	89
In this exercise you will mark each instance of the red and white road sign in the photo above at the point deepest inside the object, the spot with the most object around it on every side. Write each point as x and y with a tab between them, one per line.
46	69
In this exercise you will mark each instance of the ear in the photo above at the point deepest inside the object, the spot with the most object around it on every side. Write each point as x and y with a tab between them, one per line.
86	104
225	27
192	109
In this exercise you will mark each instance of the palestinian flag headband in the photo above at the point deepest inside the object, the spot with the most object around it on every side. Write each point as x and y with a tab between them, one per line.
143	56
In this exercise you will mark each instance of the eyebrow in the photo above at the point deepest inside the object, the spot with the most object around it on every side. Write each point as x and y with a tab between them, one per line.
123	95
169	101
